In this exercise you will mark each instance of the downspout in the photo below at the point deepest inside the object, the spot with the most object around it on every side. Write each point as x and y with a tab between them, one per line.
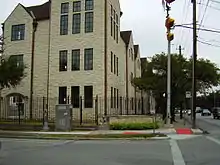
126	77
105	57
135	90
48	63
32	64
1	58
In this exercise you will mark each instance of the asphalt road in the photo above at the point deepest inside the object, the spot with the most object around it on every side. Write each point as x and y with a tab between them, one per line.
207	123
180	150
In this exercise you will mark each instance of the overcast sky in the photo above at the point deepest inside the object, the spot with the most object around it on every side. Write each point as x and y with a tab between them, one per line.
146	19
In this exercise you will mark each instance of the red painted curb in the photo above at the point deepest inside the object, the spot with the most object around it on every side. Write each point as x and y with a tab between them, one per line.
184	131
131	133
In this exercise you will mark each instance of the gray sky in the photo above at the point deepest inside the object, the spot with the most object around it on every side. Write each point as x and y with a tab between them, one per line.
147	18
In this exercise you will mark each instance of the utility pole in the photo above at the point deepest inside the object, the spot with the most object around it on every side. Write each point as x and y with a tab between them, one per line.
194	65
180	53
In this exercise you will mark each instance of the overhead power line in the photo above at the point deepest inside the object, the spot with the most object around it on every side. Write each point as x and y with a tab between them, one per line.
202	29
207	4
206	43
215	1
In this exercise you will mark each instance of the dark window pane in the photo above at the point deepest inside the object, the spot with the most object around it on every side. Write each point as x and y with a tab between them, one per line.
112	97
17	59
111	26
117	66
117	98
116	33
64	8
114	64
89	5
17	32
64	25
88	94
62	95
88	59
112	10
76	23
88	22
75	96
111	62
117	19
76	6
76	59
114	30
63	60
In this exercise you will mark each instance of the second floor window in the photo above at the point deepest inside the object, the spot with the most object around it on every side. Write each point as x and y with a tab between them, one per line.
76	59
76	23
64	25
63	60
17	59
88	22
88	59
17	32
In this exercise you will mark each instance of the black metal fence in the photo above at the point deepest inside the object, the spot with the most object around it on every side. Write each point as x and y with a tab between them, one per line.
84	111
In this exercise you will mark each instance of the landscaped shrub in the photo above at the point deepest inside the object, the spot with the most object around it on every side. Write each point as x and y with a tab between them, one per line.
133	126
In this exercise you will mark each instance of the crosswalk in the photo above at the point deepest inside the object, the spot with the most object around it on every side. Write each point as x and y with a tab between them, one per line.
177	150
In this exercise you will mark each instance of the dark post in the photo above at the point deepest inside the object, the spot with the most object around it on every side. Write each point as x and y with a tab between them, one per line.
120	106
81	110
194	65
44	113
96	111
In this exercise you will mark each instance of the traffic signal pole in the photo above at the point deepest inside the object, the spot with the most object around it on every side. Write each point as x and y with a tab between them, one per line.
194	66
168	116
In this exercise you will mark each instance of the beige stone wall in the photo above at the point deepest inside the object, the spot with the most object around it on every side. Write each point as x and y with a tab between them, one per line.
80	41
41	59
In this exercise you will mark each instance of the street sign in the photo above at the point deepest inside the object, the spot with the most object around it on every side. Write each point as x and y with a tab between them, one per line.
188	94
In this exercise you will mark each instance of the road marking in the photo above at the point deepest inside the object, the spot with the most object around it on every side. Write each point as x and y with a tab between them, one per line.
213	139
176	153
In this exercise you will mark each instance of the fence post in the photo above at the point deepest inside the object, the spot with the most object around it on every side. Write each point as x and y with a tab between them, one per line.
80	110
43	111
120	105
142	105
96	111
45	124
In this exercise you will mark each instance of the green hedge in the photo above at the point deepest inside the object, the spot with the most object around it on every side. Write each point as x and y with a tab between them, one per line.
133	126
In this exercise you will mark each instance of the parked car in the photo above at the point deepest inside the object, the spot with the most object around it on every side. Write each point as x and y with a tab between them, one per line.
189	112
216	112
205	112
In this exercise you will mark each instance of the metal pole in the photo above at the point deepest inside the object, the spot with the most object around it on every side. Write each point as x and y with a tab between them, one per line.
168	84
194	65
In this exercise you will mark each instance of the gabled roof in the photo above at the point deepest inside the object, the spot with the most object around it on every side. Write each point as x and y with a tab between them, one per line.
41	12
126	35
136	48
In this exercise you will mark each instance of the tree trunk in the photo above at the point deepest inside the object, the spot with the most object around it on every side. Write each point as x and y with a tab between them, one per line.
181	110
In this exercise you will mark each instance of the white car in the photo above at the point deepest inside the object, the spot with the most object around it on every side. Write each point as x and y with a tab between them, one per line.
189	112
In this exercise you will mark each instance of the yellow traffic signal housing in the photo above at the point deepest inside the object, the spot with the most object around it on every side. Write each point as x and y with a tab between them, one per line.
169	1
169	23
170	36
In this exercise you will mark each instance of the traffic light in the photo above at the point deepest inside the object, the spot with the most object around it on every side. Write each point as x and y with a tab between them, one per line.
170	36
169	23
169	1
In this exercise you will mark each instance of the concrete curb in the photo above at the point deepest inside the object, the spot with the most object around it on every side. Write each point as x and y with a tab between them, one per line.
82	138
